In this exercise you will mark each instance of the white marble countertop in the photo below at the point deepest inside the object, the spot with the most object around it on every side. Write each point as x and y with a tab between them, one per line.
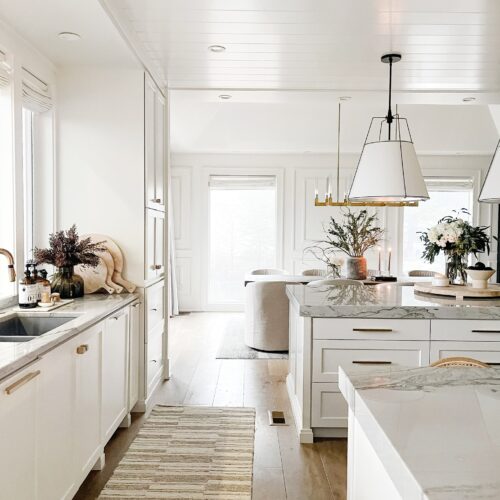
436	430
84	312
385	301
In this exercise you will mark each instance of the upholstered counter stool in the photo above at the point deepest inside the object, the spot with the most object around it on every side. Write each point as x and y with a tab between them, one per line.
266	316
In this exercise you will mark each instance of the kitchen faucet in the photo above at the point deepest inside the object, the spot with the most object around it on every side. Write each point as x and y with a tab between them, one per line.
10	258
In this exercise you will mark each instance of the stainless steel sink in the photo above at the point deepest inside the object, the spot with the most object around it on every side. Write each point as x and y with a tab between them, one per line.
22	328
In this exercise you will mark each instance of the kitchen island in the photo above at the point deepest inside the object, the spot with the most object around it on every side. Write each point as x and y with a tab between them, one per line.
424	433
361	327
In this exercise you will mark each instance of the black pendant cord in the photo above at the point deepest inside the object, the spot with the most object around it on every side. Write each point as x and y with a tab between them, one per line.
389	116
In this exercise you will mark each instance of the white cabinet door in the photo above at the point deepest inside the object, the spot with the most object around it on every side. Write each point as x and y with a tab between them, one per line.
149	138
115	372
160	143
86	352
55	471
134	347
18	428
155	244
487	352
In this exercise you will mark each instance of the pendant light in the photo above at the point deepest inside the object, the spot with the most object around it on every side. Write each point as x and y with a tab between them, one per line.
490	192
388	170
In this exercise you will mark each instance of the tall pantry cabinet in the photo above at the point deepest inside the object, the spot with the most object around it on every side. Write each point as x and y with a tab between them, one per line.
112	172
154	341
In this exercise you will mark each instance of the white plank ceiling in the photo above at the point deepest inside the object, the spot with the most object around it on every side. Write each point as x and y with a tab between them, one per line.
447	45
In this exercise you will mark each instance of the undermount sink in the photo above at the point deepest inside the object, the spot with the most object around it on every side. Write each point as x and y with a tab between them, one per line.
22	328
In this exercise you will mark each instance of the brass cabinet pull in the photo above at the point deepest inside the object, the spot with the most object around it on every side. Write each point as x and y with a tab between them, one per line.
158	266
372	362
23	380
82	349
117	316
156	200
136	305
485	331
372	330
493	364
154	309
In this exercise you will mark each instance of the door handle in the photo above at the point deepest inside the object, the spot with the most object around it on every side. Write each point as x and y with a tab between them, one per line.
82	349
372	330
22	381
372	362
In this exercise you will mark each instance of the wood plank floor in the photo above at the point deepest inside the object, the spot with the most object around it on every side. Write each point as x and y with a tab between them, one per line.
283	469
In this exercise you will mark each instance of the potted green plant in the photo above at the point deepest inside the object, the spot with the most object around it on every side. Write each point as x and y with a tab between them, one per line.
456	238
66	251
354	235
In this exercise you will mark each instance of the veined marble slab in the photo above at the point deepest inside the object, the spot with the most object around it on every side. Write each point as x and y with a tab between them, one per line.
435	430
85	312
385	301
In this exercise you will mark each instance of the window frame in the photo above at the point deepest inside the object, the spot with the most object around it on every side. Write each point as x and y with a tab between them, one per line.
475	175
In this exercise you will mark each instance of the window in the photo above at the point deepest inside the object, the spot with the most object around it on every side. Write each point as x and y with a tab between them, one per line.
446	194
242	234
28	183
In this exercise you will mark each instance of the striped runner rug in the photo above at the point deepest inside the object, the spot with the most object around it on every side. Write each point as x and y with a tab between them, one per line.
188	452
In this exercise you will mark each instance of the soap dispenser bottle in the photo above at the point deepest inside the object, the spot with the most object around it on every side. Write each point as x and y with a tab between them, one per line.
28	291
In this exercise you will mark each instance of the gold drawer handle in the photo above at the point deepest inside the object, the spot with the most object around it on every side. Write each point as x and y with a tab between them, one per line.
158	266
372	362
485	331
24	380
372	330
493	364
156	200
136	305
82	349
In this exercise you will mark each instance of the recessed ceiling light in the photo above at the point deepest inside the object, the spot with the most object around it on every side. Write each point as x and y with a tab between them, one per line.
468	99
345	97
69	36
225	96
216	48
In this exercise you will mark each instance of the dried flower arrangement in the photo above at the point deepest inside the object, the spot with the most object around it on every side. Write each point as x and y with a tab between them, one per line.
67	250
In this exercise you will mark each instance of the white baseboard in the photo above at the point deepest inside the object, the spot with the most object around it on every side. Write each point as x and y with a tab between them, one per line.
305	435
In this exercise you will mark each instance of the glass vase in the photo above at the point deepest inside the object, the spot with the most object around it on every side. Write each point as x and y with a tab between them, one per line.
456	265
68	284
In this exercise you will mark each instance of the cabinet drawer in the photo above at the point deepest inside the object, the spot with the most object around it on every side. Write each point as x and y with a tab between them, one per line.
155	358
466	330
482	351
155	308
329	408
328	355
371	329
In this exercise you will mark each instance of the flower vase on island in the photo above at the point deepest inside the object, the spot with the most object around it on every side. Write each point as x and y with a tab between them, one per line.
353	236
457	239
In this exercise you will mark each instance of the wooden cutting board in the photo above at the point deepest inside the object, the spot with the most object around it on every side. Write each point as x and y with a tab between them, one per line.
95	277
117	256
459	292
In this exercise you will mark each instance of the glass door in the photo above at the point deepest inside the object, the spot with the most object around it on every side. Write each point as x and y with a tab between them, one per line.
243	233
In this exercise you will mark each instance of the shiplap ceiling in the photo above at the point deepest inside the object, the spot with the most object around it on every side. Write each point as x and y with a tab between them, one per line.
447	45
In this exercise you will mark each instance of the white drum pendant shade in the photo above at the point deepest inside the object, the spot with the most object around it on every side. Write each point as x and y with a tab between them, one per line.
490	192
388	171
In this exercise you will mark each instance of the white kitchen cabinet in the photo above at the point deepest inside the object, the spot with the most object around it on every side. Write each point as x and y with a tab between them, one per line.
56	414
134	354
115	342
487	352
18	434
155	145
86	352
155	244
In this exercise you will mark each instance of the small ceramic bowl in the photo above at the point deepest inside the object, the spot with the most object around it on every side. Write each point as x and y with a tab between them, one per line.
440	281
480	278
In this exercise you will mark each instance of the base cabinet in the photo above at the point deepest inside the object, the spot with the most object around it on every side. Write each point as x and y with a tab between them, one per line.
86	351
114	372
57	413
56	423
18	434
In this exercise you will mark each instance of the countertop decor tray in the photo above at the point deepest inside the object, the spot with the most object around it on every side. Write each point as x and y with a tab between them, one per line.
458	291
41	309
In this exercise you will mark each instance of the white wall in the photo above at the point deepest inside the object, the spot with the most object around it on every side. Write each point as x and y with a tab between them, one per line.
101	157
302	222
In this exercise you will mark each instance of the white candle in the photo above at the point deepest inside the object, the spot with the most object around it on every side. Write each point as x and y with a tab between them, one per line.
328	186
379	260
389	262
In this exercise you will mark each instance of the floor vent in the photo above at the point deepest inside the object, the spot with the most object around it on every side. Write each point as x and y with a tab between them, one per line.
277	417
